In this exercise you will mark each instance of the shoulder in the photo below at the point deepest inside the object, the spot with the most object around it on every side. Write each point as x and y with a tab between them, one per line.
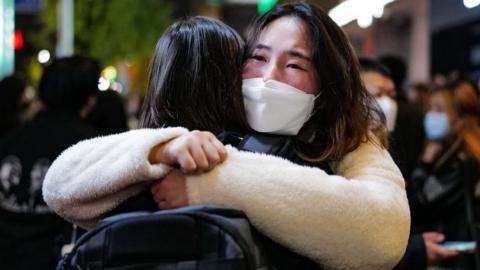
369	160
371	147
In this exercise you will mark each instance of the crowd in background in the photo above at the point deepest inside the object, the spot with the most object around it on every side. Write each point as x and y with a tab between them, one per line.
69	108
435	140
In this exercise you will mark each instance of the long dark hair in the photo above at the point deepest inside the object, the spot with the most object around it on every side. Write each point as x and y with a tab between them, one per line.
344	114
195	78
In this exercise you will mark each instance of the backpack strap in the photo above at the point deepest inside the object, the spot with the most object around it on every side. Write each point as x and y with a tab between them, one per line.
258	142
268	144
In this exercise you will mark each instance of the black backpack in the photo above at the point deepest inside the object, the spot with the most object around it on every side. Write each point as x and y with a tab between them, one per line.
196	237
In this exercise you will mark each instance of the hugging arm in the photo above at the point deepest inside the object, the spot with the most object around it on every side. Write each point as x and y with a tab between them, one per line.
358	219
94	176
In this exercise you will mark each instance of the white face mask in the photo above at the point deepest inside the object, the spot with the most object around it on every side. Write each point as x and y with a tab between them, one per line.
390	109
275	107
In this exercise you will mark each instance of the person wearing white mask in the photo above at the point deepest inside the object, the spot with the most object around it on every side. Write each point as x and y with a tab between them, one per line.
378	83
405	127
356	218
275	107
404	122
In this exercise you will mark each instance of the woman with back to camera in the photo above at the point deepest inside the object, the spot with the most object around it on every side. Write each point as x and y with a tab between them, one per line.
358	218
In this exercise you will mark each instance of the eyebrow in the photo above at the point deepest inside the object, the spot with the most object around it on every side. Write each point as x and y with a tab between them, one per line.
293	53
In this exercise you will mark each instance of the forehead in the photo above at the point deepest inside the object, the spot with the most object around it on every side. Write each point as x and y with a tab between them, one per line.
375	78
440	100
286	32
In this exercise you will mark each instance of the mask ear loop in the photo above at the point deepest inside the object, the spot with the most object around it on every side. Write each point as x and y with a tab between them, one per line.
314	111
319	106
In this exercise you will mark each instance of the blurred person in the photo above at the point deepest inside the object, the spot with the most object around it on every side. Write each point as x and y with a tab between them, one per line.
326	112
404	122
453	134
31	233
13	102
459	80
398	71
418	96
108	115
379	83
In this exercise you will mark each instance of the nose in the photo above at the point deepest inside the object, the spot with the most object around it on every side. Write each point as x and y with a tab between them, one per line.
271	72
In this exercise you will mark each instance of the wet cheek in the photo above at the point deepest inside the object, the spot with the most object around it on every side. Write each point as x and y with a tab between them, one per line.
301	83
307	88
250	71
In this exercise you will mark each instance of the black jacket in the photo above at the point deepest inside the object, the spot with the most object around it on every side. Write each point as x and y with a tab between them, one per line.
406	140
438	201
30	233
406	143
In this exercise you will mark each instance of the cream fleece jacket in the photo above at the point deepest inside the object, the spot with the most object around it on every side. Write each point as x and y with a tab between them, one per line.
357	219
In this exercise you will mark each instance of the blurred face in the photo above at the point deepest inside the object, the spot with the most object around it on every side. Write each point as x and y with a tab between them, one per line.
438	120
283	53
377	84
438	103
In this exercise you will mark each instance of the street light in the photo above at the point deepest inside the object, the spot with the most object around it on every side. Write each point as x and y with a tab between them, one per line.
471	3
43	56
350	10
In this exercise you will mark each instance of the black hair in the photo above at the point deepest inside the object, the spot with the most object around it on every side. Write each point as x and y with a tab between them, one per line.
108	114
67	83
195	78
370	65
343	115
456	79
398	70
12	88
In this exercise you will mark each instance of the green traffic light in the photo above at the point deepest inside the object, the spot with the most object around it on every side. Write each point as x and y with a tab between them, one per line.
265	5
215	2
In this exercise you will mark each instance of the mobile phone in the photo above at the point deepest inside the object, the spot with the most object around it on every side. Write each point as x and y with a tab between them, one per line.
460	246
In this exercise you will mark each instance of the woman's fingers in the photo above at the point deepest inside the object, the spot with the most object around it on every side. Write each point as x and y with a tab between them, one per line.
215	151
199	156
171	192
158	194
206	150
163	205
187	162
221	149
155	186
196	151
211	152
158	197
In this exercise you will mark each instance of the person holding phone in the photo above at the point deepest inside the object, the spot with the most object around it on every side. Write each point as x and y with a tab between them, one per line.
449	161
